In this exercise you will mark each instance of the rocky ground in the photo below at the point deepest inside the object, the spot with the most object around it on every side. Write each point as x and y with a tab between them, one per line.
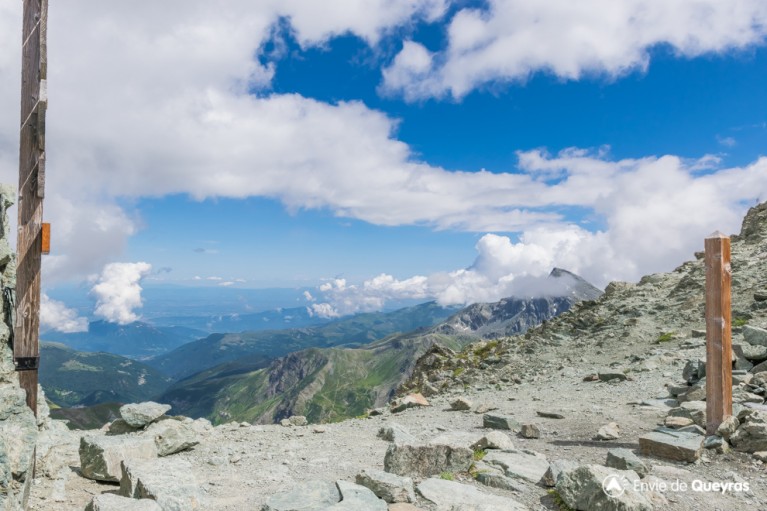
630	358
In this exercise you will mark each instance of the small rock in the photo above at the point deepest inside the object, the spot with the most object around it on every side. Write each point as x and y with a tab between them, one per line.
713	442
761	295
530	431
396	433
671	444
751	436
754	335
426	460
623	459
494	477
409	401
609	375
298	420
120	427
494	440
461	404
172	436
598	487
609	431
550	415
556	467
677	422
319	429
484	408
286	423
728	427
386	486
141	414
498	421
761	456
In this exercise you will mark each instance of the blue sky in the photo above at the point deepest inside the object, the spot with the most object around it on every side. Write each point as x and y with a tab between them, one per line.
375	151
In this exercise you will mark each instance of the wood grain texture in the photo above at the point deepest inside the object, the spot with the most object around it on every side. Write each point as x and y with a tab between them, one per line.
718	331
26	350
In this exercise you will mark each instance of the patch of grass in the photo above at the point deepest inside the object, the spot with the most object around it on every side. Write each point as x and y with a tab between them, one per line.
479	454
458	371
739	322
665	337
447	476
561	504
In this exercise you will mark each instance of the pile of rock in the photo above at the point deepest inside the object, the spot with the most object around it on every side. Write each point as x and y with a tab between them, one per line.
132	451
443	472
683	436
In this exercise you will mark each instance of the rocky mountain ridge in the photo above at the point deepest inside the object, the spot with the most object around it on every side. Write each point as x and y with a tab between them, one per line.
337	383
571	403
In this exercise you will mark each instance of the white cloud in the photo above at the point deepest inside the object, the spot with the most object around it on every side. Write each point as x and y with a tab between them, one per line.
151	100
509	40
656	213
118	291
54	315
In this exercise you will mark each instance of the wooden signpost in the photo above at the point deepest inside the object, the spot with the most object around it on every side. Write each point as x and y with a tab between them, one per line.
34	101
718	332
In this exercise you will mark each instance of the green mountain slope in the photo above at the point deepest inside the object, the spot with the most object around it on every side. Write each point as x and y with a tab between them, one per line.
75	378
326	385
356	330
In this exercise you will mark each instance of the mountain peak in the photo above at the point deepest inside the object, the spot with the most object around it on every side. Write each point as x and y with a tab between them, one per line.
754	228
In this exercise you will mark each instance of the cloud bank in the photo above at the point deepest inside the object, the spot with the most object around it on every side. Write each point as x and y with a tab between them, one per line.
510	40
657	211
173	98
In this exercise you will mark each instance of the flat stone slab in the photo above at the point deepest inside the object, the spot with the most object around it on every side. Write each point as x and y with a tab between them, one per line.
112	502
386	486
356	498
426	460
100	456
306	496
671	444
499	421
449	496
168	481
526	465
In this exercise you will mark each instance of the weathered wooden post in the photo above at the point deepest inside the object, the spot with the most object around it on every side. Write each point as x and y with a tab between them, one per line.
718	333
34	101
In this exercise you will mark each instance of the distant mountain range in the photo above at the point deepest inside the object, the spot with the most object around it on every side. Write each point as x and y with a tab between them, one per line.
327	372
329	384
136	340
275	319
356	330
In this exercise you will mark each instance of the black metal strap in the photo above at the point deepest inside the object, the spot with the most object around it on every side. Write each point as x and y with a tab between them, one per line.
27	363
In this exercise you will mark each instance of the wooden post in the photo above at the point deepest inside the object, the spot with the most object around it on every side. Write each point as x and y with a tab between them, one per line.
34	101
718	333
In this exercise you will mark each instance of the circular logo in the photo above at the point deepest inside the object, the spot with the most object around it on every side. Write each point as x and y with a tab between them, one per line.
614	485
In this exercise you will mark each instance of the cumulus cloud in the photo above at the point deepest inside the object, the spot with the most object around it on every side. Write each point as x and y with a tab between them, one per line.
134	88
152	100
54	315
656	211
118	291
509	40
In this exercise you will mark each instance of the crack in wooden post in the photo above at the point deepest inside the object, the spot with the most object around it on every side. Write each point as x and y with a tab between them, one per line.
718	331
